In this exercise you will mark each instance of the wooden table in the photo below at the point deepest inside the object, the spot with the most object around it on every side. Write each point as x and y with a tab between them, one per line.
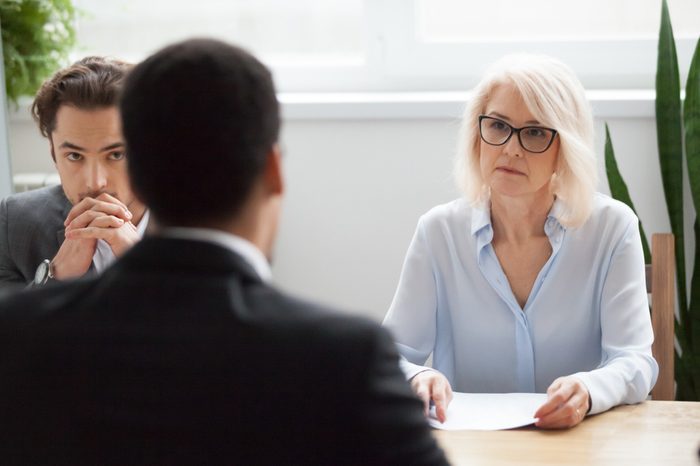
658	433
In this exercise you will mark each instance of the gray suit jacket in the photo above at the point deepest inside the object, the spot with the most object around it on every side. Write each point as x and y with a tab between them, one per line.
31	230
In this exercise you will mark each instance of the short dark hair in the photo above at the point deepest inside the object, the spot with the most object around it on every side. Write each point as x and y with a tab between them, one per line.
199	119
88	84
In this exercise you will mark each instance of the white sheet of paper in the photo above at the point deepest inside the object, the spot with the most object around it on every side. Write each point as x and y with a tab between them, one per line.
489	411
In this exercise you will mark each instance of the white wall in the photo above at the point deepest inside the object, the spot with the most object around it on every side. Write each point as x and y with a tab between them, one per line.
356	187
356	190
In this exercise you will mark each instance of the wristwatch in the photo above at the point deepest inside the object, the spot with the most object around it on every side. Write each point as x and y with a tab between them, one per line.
44	272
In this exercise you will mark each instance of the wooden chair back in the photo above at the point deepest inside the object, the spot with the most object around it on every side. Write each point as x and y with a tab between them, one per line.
661	284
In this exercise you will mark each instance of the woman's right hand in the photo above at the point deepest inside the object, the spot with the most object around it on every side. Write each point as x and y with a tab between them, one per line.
431	385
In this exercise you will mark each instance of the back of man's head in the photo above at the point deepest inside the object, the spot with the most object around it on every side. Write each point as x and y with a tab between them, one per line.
88	84
200	118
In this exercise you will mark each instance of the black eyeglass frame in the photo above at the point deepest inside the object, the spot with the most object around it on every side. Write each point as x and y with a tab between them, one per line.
513	129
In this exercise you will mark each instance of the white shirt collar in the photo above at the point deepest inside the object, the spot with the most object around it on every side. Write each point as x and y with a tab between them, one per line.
482	229
481	216
143	223
241	246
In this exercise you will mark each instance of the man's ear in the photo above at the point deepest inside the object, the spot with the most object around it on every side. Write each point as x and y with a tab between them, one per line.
274	181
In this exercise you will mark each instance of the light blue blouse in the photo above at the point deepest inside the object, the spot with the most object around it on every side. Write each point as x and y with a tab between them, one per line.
587	314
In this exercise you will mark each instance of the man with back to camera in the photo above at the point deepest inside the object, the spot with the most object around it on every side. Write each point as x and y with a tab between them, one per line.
182	352
76	110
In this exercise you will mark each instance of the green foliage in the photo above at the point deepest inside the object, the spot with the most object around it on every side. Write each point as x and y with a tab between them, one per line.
618	187
669	136
689	324
37	36
670	122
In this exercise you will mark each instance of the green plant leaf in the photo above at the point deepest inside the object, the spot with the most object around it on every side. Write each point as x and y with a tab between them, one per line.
618	188
37	36
684	386
669	136
691	120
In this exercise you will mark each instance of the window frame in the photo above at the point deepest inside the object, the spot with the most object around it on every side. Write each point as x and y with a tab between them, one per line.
397	60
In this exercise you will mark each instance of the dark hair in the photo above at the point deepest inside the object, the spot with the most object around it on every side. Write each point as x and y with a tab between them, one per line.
91	83
199	119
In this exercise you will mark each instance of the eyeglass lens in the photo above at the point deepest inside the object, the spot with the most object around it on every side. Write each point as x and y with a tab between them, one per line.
533	138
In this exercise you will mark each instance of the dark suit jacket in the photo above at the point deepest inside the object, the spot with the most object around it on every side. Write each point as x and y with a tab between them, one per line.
31	230
179	354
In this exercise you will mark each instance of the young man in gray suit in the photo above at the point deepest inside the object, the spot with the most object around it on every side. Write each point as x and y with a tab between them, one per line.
77	112
183	352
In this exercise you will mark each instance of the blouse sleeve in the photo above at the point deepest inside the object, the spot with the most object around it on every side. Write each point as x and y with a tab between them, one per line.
412	315
627	371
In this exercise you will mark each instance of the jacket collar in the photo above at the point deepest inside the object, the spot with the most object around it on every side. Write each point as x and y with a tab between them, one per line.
184	256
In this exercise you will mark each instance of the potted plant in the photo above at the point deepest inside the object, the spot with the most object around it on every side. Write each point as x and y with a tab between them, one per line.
674	122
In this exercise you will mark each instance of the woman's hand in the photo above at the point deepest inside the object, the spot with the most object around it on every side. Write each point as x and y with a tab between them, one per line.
568	401
432	385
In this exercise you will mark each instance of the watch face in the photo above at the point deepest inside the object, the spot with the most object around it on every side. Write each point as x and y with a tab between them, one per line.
42	273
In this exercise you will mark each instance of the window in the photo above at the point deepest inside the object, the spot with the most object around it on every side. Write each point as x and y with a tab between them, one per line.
592	20
402	45
283	32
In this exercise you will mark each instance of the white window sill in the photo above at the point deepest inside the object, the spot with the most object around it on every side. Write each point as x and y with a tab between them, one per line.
415	105
438	105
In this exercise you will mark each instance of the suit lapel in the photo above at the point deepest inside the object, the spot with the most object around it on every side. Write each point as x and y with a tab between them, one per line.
66	207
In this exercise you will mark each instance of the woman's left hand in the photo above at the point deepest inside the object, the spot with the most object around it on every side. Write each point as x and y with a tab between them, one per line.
567	403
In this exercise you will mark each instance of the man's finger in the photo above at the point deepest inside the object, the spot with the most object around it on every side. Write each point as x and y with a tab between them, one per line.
78	209
85	219
109	198
95	219
91	233
118	210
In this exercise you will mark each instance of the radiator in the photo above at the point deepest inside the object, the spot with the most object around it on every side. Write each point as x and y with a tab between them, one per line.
29	181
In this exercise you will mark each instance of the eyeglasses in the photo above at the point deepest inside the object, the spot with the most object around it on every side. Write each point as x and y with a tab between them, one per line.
497	132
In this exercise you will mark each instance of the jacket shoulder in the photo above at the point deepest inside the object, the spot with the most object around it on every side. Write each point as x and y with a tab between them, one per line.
45	205
36	199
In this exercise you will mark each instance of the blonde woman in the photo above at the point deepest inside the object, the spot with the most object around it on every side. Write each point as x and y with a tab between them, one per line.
532	282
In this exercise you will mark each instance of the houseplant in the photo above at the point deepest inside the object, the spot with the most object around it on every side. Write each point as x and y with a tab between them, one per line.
671	119
37	36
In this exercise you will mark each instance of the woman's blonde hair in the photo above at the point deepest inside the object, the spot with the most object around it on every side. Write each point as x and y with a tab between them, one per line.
556	98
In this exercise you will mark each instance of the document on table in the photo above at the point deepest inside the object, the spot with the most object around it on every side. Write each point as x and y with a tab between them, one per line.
489	411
